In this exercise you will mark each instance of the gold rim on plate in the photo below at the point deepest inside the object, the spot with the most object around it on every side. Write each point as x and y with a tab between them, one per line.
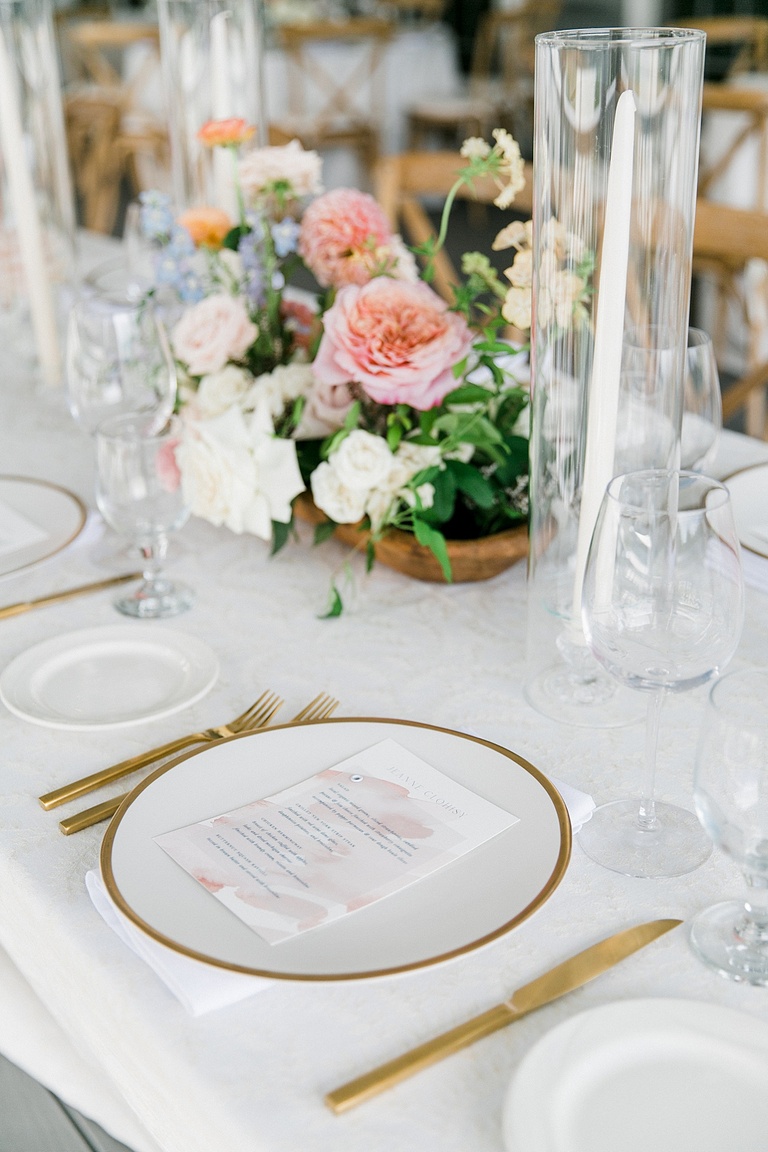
48	484
561	863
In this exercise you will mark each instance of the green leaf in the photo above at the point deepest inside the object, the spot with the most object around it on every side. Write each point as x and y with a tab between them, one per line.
435	541
469	394
472	483
336	606
370	555
459	369
352	417
324	531
444	502
394	436
280	534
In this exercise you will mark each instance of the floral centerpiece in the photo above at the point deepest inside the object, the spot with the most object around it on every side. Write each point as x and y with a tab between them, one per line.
393	407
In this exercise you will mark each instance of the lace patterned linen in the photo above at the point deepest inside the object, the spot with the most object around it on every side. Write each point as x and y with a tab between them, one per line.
251	1077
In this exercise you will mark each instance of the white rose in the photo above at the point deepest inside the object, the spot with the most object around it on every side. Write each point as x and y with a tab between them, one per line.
329	494
289	162
217	473
212	332
362	461
219	390
378	506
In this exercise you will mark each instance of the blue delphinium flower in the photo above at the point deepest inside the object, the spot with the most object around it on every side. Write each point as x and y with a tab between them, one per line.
251	251
174	266
285	236
155	215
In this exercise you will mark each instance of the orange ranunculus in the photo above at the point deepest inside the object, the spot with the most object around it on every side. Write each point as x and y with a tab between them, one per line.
225	132
207	226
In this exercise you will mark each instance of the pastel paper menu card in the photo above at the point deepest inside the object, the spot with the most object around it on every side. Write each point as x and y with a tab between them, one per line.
16	531
346	837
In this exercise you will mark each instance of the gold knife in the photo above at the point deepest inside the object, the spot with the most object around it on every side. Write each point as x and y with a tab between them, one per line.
70	594
543	990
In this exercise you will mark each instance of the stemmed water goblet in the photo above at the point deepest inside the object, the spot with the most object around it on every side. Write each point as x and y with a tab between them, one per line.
702	404
118	359
731	798
662	612
140	495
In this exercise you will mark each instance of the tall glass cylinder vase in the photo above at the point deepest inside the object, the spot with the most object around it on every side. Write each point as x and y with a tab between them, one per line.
212	55
37	219
616	140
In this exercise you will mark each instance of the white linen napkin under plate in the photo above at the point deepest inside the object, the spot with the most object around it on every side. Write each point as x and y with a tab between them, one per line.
202	987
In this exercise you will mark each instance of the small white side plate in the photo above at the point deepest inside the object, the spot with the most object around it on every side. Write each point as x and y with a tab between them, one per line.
642	1075
108	677
57	515
749	497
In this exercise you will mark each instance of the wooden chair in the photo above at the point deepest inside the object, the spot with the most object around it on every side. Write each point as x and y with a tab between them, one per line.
420	10
725	241
740	41
747	109
402	181
111	135
500	87
335	111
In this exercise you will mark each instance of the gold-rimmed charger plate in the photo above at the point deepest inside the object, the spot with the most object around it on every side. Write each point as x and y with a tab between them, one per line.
55	511
471	902
749	498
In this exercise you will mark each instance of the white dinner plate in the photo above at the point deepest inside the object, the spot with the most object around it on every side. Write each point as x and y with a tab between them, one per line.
54	516
749	498
643	1076
466	904
108	677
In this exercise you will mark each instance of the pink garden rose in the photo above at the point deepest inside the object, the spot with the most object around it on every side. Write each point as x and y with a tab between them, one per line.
396	339
211	333
346	239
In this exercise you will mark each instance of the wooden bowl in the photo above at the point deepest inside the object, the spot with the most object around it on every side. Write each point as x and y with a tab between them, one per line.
470	559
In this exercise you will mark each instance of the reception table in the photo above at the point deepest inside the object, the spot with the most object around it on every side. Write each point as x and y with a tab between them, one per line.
90	1019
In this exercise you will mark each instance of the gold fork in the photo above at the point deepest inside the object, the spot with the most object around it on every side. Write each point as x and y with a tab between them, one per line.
260	712
320	708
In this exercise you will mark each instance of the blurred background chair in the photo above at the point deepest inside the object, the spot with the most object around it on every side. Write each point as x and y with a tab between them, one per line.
335	85
499	90
735	44
411	185
116	133
727	243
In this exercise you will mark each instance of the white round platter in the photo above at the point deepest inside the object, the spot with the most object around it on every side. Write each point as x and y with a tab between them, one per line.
474	900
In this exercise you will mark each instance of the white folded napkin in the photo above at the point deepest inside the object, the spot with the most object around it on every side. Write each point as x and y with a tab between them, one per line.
200	987
17	531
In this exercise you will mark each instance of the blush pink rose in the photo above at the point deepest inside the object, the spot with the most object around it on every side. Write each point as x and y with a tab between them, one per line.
211	333
345	238
394	338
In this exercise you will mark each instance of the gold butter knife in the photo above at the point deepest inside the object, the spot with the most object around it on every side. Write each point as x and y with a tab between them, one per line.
69	594
543	990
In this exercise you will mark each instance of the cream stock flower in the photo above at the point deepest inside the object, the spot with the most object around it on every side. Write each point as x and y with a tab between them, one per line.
512	168
475	148
516	308
521	272
514	235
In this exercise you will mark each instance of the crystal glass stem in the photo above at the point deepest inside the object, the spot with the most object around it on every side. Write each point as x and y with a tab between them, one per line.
646	817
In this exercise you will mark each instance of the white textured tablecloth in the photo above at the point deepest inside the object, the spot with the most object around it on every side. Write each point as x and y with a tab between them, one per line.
250	1078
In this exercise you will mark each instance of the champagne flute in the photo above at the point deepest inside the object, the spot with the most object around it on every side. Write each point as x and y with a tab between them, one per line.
663	609
139	494
731	797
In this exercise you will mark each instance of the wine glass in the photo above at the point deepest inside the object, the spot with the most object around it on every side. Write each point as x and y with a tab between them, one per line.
118	359
731	797
702	404
139	494
662	608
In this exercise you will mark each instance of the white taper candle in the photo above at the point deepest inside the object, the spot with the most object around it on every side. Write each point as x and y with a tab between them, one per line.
603	402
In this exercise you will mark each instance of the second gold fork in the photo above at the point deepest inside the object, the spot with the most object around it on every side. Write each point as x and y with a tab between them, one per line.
320	708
